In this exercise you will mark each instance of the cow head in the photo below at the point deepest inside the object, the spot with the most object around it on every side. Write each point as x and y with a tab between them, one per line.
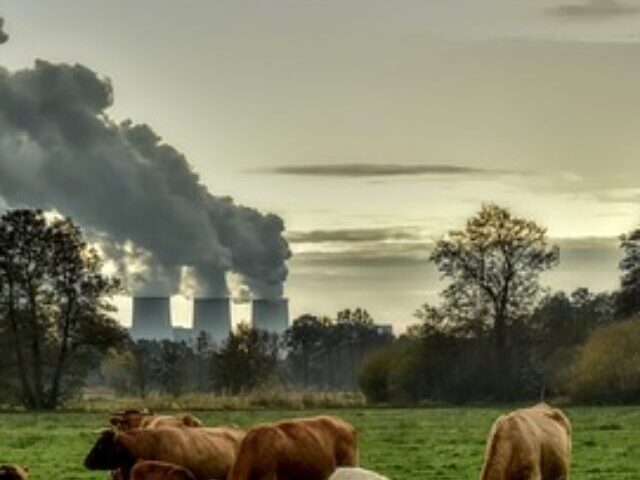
107	453
129	419
13	472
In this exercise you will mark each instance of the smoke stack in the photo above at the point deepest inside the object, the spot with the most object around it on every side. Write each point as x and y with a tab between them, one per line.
271	315
212	316
151	319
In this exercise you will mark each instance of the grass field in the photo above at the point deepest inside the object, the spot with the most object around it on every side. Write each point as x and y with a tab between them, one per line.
407	444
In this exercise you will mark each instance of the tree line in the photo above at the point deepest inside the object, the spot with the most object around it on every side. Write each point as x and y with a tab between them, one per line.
496	334
314	353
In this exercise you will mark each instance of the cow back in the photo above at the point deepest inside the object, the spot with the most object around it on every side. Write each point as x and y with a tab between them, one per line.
206	452
307	448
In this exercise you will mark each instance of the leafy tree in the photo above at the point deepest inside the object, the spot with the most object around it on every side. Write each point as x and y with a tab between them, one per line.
358	335
628	300
493	268
559	324
118	369
607	367
54	303
246	360
203	351
304	340
146	354
173	366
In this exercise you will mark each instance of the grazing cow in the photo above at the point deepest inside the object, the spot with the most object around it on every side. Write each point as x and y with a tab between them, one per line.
308	449
130	419
13	472
206	452
154	470
349	473
529	444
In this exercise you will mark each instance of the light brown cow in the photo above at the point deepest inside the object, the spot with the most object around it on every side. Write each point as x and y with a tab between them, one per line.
206	452
13	472
529	444
130	419
308	449
154	470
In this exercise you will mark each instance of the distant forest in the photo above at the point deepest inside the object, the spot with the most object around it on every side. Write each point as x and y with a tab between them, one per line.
495	335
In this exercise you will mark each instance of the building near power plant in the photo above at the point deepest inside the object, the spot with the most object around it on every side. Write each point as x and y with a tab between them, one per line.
152	318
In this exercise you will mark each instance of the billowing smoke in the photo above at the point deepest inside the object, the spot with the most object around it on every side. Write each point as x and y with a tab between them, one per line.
138	196
3	35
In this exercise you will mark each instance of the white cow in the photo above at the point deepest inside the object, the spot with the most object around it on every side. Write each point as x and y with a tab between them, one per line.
345	473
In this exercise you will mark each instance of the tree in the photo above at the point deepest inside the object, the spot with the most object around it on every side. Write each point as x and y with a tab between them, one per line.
304	339
560	323
118	369
358	335
54	302
173	366
203	351
246	360
607	367
146	354
493	266
628	298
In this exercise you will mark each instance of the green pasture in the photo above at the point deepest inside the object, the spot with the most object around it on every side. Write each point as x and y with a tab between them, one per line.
404	444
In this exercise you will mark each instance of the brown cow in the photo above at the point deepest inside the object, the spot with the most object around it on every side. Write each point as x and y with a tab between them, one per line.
154	470
308	449
206	452
529	444
13	472
130	419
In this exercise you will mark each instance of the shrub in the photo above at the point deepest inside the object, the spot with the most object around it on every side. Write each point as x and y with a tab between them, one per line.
607	367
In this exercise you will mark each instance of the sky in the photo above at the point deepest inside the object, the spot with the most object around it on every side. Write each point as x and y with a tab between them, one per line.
373	127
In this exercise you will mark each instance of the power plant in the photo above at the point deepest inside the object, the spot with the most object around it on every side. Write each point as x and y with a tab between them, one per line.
270	315
152	318
212	316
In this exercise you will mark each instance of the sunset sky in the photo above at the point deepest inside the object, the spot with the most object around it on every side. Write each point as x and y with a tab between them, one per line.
372	127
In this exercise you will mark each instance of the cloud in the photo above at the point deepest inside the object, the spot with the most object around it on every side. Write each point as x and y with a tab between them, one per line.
587	243
619	195
374	255
355	235
357	170
594	10
3	35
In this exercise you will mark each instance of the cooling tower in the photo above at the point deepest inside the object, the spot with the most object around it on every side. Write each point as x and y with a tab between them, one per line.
151	319
270	315
213	316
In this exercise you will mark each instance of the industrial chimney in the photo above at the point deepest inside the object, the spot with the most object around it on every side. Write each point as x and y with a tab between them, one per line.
212	316
270	315
151	319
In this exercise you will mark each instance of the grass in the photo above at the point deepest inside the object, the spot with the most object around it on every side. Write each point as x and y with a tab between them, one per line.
407	444
262	398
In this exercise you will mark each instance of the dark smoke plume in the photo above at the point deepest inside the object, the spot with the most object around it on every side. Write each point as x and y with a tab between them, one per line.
60	150
3	35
